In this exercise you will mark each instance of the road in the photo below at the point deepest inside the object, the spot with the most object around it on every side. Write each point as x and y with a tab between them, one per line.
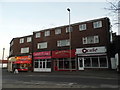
60	80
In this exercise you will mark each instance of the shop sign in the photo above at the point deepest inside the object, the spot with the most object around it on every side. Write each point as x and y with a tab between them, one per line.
45	57
21	62
63	54
45	53
24	57
91	50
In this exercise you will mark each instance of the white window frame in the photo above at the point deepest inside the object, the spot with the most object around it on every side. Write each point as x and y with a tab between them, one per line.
42	45
61	43
97	24
21	40
69	30
29	39
94	38
37	35
25	50
47	33
58	31
82	27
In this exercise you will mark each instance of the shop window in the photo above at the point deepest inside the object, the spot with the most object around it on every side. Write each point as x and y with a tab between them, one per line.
103	62
36	64
66	64
95	62
73	64
87	62
48	64
61	65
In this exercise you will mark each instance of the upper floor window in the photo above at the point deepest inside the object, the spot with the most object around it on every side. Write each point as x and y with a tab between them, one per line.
97	24
58	31
37	35
82	27
47	33
42	45
91	40
22	40
29	39
25	50
69	29
63	43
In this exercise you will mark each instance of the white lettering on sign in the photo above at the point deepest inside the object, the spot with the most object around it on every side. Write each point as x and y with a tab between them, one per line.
91	50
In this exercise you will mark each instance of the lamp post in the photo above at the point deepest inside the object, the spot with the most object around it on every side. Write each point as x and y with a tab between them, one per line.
3	56
70	38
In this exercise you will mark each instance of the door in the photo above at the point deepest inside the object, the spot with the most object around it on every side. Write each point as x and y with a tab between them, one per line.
80	63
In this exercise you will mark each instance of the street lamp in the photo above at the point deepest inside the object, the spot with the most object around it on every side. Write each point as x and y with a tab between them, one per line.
69	38
3	56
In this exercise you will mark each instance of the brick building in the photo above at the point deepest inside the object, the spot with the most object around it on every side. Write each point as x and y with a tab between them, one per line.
53	50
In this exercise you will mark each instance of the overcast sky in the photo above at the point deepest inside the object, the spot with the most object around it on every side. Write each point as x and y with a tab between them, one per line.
19	19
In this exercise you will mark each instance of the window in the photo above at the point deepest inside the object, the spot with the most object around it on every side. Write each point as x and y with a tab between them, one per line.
22	40
68	30
96	62
58	31
37	35
97	24
47	33
42	45
63	43
91	39
82	27
29	39
25	50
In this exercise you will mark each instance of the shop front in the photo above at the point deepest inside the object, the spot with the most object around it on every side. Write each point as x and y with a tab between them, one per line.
42	61
62	61
23	63
92	57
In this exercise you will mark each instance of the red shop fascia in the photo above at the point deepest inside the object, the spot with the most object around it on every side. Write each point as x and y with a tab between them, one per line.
59	54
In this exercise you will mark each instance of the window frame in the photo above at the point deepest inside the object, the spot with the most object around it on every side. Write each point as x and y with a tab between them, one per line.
97	24
58	31
29	39
37	35
25	50
47	33
42	45
21	40
82	27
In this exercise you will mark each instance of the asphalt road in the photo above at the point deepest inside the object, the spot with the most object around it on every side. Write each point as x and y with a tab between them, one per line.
87	79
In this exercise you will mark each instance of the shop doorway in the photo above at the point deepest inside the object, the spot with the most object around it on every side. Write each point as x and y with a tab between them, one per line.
81	63
43	65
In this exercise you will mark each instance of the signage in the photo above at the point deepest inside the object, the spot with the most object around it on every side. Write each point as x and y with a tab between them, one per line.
46	57
24	57
45	53
91	50
63	54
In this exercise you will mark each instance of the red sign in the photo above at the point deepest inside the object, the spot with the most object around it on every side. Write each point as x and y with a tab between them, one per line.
46	57
24	57
45	53
22	62
63	54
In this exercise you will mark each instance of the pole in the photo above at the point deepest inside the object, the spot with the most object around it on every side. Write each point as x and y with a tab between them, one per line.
70	39
3	56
